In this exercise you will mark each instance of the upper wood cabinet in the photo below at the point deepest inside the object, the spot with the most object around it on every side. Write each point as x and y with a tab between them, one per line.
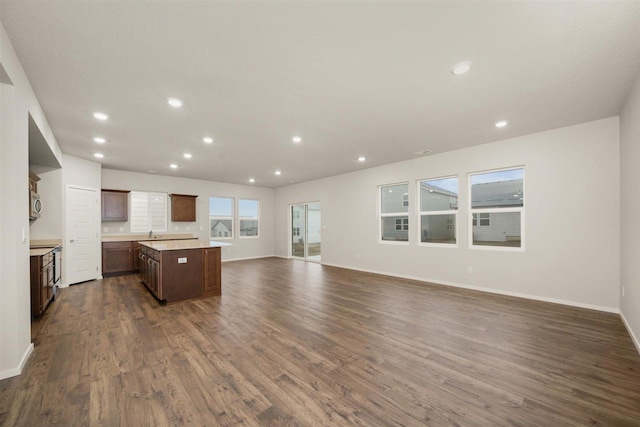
33	182
183	207
115	205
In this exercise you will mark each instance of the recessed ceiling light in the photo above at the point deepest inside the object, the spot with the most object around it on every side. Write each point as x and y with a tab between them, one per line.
100	116
501	124
174	102
296	139
173	166
207	140
461	67
99	140
187	155
151	171
420	153
278	172
98	155
362	158
252	180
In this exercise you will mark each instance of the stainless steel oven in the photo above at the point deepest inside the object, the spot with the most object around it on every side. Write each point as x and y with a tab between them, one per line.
57	269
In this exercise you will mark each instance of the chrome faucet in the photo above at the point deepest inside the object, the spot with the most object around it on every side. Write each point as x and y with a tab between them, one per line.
150	233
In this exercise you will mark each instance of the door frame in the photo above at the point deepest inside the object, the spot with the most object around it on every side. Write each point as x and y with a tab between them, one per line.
67	237
306	231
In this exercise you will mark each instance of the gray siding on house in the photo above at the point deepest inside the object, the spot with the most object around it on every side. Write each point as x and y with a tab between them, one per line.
503	226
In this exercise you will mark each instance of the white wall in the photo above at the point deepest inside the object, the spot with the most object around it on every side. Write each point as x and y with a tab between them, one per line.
572	232
241	248
17	102
49	225
630	212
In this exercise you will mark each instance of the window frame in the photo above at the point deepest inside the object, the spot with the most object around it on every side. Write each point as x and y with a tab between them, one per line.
496	210
421	213
256	218
165	197
406	215
221	217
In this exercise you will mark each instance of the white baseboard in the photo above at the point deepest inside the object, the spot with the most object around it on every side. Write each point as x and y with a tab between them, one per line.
633	336
247	258
17	371
489	290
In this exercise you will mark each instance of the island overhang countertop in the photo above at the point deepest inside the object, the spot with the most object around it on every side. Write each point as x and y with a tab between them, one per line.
174	245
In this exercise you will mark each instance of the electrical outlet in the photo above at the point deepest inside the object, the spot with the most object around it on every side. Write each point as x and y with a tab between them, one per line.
469	269
623	292
188	228
121	229
357	256
201	228
105	230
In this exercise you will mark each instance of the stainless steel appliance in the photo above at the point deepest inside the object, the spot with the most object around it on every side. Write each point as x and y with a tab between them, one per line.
35	206
57	269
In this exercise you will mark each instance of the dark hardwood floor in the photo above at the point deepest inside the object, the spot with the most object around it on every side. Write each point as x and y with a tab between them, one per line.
295	343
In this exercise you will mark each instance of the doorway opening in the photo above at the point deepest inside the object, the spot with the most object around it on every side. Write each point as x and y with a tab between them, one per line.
306	231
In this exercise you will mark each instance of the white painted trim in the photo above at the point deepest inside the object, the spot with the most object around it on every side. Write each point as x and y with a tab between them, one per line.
17	371
633	336
488	290
251	257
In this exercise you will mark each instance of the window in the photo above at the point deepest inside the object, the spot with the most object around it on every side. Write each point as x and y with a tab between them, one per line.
485	219
221	217
248	214
497	208
402	224
148	212
438	210
394	213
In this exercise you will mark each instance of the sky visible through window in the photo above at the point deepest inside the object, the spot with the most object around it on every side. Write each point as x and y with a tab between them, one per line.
220	206
248	208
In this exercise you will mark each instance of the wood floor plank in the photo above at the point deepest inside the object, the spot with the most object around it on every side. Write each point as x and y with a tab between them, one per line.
301	344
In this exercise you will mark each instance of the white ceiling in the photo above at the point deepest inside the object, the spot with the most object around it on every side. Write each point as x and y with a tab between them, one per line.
351	78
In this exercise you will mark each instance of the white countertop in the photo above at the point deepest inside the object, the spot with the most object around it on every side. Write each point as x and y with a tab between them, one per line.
173	245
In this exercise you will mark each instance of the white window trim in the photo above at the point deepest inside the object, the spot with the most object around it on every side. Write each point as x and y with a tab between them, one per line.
496	210
222	218
447	212
240	218
382	215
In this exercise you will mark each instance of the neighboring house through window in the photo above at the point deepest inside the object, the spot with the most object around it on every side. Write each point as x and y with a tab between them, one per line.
394	212
497	209
221	217
248	215
438	210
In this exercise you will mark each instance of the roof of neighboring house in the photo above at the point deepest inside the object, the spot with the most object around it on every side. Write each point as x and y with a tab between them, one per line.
434	189
215	225
495	194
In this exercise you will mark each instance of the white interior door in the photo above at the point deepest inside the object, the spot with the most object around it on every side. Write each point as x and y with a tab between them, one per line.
82	239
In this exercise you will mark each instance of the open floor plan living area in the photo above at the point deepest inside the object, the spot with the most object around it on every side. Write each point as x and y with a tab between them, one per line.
310	213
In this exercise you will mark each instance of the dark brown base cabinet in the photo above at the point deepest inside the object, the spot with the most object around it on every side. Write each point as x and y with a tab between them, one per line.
120	257
42	282
178	275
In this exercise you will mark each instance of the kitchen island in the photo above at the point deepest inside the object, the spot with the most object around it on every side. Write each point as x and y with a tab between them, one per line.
178	270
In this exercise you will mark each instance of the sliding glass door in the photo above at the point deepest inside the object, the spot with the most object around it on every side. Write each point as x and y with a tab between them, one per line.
306	226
